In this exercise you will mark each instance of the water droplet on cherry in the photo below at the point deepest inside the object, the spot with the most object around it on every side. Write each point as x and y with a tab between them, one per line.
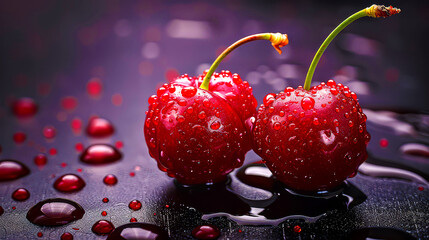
55	212
307	103
69	183
189	92
215	125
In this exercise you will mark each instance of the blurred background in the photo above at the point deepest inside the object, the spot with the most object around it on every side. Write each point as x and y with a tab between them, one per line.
80	59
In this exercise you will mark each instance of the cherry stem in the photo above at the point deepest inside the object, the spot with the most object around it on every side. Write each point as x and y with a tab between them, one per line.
278	40
374	11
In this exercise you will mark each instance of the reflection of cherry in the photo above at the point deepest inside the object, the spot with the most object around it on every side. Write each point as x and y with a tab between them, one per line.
312	139
197	132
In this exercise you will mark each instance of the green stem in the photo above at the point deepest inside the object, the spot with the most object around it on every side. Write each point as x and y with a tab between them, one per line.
326	43
278	40
375	11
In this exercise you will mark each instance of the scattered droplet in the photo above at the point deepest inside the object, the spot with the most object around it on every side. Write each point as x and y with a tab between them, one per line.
99	127
105	200
24	107
79	147
55	212
135	205
69	103
49	132
307	103
53	151
206	232
297	229
102	227
19	137
40	234
139	230
189	92
119	144
100	154
40	160
103	213
384	143
133	219
94	87
420	188
69	183
110	179
11	170
215	125
67	236
20	194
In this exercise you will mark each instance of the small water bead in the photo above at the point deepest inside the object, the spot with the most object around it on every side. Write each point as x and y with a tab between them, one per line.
102	227
69	183
180	118
110	179
420	188
99	127
316	121
69	103
103	213
11	170
307	103
202	115
297	229
100	154
134	230
132	174
269	98
20	194
135	205
105	200
79	147
40	234
55	212
206	232
190	110
24	107
215	125
19	137
53	151
49	132
67	236
277	125
94	87
133	219
76	125
384	143
189	92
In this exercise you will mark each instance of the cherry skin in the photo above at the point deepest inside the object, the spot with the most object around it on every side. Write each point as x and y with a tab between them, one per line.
311	140
195	135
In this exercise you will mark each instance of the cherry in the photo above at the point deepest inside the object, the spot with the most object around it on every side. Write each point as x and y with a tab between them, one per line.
312	139
195	126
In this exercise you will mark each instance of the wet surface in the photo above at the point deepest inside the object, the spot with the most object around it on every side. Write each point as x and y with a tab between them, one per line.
64	65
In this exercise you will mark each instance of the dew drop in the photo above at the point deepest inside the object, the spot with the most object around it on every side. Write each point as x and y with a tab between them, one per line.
99	127
103	213
277	125
53	151
94	87
307	103
215	125
206	232
49	132
69	183
138	230
202	115
19	137
316	121
55	212
24	107
110	179
100	154
20	194
189	92
269	98
102	227
67	236
79	147
135	205
420	188
384	143
11	170
133	219
297	229
105	200
180	118
40	234
69	103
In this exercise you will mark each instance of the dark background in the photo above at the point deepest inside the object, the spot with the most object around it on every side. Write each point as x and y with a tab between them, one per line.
51	49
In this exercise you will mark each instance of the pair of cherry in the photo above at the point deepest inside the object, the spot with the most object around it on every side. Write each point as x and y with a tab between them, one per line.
200	128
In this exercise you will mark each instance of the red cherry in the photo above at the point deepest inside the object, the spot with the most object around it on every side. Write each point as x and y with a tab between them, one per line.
196	135
312	140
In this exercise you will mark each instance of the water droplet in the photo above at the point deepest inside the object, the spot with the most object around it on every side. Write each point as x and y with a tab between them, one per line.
19	137
69	103
420	188
350	123
215	125
110	179
135	205
189	92
180	118
76	125
105	200
316	121
79	147
11	170
139	230
202	115
24	107
100	154
331	83
102	227
66	236
94	87
103	213
307	103
269	98
55	212
297	229
119	144
384	143
40	234
49	132
190	110
20	194
40	159
277	125
53	151
206	232
99	127
69	183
